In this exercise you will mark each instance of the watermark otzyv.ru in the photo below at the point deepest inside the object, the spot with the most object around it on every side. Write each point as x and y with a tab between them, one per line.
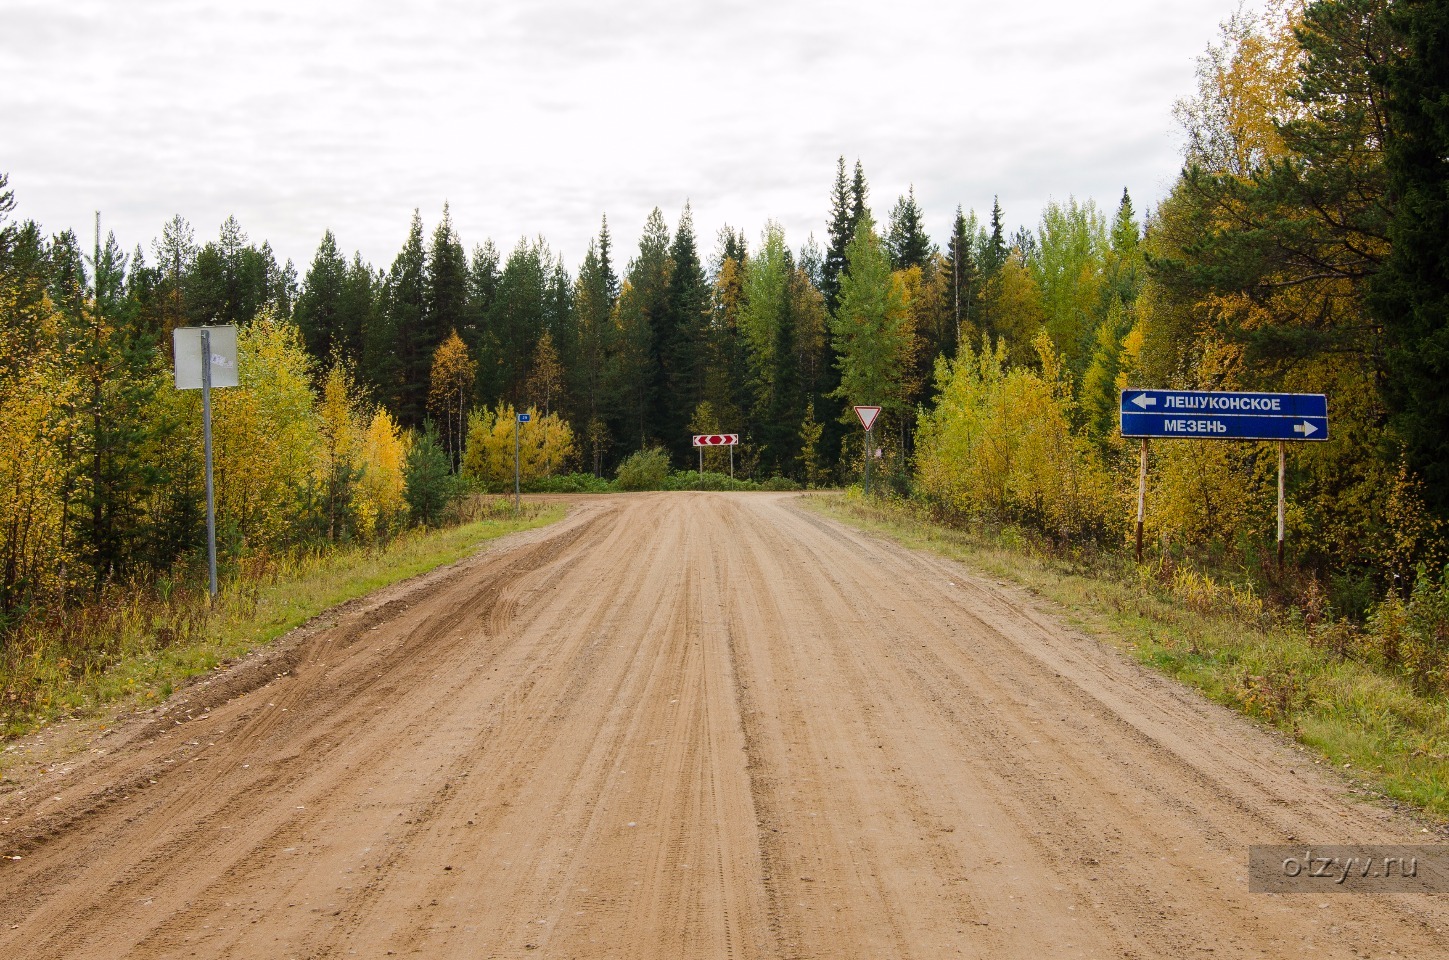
1349	868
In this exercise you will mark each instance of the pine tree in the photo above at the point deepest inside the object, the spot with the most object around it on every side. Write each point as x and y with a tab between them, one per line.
906	240
1411	293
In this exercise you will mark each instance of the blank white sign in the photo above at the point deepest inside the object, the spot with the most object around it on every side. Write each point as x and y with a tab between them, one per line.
186	342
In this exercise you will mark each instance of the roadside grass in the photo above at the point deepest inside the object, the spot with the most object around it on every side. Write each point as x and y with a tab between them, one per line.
1370	724
136	647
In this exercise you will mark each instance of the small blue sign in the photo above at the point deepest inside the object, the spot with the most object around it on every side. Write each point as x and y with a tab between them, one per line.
1211	415
525	417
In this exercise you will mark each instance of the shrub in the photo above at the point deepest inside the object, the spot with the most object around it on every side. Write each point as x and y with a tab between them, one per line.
708	480
644	469
571	483
545	444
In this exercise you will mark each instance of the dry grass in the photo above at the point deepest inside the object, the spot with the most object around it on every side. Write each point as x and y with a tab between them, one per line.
136	645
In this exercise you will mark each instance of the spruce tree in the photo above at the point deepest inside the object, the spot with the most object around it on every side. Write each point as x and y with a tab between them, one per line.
993	254
963	277
685	352
397	360
447	272
841	230
907	241
319	308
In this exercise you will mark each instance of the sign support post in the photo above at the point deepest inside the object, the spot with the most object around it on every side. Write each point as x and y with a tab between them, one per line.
206	360
1224	415
732	460
701	459
1282	465
1141	496
206	445
869	456
517	486
867	417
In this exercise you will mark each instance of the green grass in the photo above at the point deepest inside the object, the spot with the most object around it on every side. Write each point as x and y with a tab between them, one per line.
137	649
1365	721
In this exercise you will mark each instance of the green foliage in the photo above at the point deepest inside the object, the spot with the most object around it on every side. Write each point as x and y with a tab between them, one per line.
906	237
873	338
999	446
1410	294
428	481
571	483
644	469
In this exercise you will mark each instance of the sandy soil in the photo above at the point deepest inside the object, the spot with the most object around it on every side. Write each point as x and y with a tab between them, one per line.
687	726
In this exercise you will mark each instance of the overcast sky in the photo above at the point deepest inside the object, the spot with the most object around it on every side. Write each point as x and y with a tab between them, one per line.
537	117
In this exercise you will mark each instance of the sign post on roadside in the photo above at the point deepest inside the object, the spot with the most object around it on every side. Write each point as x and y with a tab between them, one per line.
206	357
517	471
1220	415
731	440
867	416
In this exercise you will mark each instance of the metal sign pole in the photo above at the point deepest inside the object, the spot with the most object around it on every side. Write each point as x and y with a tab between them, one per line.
516	470
1141	497
732	461
701	459
1282	464
206	445
869	456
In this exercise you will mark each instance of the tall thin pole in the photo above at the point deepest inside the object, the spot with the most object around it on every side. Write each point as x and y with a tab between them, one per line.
1141	496
732	461
701	458
206	446
1282	468
516	471
868	458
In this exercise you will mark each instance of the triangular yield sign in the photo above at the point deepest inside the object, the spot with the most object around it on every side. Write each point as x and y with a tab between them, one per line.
867	415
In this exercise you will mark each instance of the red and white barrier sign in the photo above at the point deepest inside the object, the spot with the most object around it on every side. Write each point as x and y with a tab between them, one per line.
716	439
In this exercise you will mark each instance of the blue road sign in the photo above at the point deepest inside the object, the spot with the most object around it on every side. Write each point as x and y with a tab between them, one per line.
1206	415
525	417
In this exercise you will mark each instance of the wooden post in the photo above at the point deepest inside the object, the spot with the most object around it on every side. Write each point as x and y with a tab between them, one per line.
1282	469
1141	496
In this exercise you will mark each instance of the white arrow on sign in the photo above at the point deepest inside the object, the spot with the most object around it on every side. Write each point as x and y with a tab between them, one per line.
1305	428
1144	401
867	415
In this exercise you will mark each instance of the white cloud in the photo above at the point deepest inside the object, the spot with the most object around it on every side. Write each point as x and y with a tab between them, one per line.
536	117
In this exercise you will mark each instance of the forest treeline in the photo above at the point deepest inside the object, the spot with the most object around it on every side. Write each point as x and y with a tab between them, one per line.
1302	248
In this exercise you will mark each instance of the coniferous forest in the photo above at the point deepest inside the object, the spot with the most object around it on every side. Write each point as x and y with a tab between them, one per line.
1304	247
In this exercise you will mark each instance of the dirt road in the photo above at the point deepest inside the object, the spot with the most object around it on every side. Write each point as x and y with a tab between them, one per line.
687	726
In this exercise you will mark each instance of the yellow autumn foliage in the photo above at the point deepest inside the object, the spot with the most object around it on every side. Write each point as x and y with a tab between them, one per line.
38	405
999	446
266	437
379	499
546	447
